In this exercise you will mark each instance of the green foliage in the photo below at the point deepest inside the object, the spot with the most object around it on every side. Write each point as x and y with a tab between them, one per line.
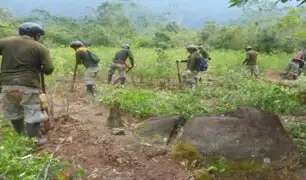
266	33
267	96
222	96
239	3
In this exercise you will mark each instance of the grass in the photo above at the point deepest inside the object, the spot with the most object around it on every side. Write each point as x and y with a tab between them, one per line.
146	61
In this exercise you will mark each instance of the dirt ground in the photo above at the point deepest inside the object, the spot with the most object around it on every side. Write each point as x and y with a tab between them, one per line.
83	139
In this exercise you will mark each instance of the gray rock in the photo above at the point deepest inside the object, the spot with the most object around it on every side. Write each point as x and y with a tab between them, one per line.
158	129
118	131
246	133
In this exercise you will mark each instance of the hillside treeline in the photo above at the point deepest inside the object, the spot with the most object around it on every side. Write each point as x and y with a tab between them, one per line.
264	26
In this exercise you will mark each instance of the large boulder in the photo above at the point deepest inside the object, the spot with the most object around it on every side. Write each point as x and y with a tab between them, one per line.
159	130
246	133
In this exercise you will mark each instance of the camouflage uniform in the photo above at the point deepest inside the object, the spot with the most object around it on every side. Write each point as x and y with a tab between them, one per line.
190	76
251	64
119	63
295	67
20	80
92	68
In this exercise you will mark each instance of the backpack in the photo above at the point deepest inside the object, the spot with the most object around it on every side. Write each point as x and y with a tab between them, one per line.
202	64
93	57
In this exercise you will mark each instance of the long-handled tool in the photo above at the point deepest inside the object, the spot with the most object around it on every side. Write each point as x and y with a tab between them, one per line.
178	71
44	103
74	78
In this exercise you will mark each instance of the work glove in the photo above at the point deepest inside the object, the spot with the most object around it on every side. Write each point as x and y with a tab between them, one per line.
188	72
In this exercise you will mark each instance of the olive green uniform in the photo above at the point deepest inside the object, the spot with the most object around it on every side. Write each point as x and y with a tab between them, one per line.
92	68
251	63
22	58
190	78
119	63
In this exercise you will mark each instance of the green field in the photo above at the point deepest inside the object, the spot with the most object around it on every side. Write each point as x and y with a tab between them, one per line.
146	60
225	67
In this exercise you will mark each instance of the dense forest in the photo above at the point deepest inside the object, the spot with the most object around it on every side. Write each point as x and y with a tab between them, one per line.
265	26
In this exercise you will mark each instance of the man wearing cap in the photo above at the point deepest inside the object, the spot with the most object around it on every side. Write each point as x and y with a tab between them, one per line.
119	63
89	60
23	60
251	61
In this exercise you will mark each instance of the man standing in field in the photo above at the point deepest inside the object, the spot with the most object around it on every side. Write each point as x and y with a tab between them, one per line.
119	63
23	59
190	75
89	60
251	61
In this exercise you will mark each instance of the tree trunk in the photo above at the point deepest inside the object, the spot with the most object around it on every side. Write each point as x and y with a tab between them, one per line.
114	120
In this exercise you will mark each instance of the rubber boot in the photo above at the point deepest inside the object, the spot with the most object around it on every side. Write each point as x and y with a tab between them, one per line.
18	125
90	88
33	131
109	78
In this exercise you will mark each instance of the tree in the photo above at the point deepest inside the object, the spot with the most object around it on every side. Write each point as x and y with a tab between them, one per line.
239	3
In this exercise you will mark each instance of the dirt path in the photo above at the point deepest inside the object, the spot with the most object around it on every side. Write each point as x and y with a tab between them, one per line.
84	140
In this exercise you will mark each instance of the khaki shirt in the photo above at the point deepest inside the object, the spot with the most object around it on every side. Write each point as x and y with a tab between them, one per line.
22	58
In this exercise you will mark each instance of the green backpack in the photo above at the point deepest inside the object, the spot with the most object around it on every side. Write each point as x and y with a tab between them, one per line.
93	57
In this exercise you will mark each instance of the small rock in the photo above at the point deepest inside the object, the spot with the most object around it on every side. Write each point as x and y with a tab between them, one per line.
69	139
194	164
165	140
154	160
99	114
62	140
118	131
119	160
183	163
146	144
266	162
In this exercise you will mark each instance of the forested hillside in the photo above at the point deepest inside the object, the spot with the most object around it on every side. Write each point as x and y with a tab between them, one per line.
264	25
189	14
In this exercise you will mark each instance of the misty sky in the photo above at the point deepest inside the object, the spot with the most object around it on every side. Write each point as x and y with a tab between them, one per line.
187	12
